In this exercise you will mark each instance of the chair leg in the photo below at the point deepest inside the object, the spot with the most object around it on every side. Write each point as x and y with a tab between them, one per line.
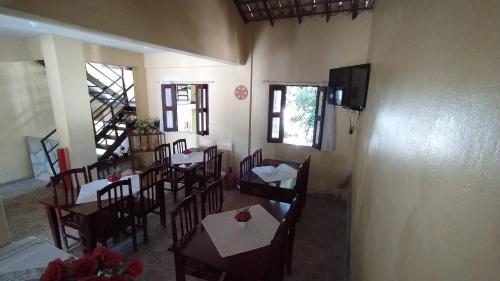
145	228
134	238
174	189
64	237
289	252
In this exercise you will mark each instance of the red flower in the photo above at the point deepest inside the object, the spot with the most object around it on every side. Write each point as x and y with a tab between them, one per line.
106	257
133	267
119	278
84	266
56	270
243	216
95	278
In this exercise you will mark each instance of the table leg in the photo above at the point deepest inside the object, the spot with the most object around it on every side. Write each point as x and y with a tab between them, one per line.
54	225
163	211
188	182
88	235
180	267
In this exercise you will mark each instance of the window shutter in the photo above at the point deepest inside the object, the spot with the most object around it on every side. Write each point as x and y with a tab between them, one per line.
169	104
202	109
275	121
319	117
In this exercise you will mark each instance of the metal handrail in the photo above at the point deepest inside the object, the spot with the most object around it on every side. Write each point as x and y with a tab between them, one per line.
47	151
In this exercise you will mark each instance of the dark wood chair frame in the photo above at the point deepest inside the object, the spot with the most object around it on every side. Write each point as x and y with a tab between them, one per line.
245	166
103	168
276	268
292	216
212	199
69	182
151	197
163	158
179	146
209	168
118	206
257	158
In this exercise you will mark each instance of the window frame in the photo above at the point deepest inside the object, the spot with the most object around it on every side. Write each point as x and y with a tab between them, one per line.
201	106
318	114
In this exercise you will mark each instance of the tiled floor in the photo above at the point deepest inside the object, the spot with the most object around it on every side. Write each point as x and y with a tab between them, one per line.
320	245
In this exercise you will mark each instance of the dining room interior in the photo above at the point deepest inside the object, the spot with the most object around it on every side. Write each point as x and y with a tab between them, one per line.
249	140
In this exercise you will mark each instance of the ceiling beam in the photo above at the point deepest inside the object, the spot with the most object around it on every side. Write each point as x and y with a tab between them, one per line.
309	14
240	10
268	11
354	9
297	11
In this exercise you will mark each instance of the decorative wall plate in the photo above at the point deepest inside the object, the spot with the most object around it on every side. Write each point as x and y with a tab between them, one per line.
241	92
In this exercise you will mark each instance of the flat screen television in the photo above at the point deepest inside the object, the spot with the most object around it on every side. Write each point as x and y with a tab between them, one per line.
348	86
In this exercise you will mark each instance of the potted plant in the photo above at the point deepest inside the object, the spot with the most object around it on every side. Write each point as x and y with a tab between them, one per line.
156	122
143	126
102	264
242	217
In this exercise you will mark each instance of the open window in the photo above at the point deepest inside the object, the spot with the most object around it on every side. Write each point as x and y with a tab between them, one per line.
296	115
185	108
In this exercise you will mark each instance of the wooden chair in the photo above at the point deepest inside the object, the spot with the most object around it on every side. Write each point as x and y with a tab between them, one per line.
163	158
278	249
209	168
115	203
245	166
184	220
211	199
292	217
257	158
179	146
150	198
305	186
102	169
65	188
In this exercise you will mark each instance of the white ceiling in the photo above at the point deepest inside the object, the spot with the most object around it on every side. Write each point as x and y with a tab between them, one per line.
13	27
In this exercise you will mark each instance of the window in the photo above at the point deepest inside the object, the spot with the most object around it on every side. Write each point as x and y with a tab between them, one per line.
185	108
296	115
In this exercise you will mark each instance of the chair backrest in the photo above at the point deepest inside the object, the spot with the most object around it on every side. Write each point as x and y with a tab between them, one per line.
102	168
245	166
211	199
219	166
278	244
184	220
149	195
163	158
116	196
179	146
66	185
257	158
210	167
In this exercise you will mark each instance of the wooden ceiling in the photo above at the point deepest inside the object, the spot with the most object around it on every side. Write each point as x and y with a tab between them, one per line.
271	10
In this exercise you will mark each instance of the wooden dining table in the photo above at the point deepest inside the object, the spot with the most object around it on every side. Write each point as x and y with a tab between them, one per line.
243	266
188	171
283	191
87	211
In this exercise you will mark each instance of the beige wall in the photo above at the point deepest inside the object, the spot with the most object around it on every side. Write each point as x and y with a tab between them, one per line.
228	117
296	53
426	199
211	28
289	52
26	111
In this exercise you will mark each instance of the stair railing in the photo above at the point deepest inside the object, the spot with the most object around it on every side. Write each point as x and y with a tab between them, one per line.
47	151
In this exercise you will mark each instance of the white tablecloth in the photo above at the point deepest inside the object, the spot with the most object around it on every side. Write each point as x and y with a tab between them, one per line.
195	157
270	173
230	239
88	192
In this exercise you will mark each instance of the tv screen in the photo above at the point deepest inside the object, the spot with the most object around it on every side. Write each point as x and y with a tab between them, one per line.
348	86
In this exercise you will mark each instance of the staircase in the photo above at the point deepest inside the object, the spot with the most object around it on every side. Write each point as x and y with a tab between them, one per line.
112	101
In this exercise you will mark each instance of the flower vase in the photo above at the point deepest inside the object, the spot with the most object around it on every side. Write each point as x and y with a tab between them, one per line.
230	179
242	224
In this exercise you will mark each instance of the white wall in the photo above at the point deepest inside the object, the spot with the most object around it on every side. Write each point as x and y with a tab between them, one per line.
426	199
228	117
305	52
289	52
26	111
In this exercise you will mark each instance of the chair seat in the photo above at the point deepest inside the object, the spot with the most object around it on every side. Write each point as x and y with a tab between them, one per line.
147	204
